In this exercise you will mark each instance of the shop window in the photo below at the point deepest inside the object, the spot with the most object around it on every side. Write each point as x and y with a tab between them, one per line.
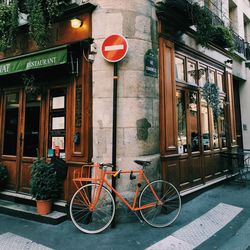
205	125
193	111
191	72
223	125
11	123
181	118
179	68
57	123
31	129
215	133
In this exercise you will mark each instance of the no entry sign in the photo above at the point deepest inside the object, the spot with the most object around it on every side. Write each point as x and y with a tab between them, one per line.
114	48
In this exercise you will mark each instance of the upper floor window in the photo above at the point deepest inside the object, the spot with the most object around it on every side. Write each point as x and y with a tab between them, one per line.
194	72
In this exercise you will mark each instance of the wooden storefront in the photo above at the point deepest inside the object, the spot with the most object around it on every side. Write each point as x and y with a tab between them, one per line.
192	139
58	114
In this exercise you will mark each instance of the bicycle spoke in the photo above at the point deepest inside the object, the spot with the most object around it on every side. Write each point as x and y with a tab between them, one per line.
102	204
162	214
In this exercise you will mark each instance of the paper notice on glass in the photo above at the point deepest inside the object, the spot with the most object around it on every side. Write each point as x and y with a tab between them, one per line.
58	122
58	102
58	142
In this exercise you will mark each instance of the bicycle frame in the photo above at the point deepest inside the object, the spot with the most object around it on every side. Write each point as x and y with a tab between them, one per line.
132	206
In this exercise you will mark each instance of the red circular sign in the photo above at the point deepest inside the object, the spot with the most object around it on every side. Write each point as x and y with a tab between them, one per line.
114	48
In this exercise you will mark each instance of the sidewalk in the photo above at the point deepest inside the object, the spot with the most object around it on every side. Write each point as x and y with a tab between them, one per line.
141	236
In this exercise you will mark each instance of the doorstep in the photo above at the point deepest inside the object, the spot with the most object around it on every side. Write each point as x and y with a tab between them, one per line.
23	206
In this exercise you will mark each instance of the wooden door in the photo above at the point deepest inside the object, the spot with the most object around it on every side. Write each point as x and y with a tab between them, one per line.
21	136
189	138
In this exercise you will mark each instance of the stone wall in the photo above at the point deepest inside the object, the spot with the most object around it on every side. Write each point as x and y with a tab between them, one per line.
138	95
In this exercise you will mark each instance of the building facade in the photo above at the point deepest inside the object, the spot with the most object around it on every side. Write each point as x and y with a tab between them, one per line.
61	100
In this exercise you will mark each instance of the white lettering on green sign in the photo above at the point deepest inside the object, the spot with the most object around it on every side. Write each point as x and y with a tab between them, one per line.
5	68
41	63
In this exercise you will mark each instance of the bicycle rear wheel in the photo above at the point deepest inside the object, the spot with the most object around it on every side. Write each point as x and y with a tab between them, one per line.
164	213
92	220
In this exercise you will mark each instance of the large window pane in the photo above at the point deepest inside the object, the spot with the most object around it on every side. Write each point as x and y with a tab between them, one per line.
193	100
205	125
11	123
31	132
181	118
215	138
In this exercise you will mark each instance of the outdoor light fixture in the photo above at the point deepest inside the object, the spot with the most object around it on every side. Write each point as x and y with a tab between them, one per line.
76	23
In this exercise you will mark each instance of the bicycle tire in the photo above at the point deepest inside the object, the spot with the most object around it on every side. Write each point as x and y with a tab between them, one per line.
160	215
96	221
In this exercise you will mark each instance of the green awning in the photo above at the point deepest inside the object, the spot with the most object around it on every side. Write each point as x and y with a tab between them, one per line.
36	60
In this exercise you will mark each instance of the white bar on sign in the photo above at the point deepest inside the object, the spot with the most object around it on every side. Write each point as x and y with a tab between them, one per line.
114	47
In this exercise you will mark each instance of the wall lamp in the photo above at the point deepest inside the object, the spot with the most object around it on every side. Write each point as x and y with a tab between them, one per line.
76	23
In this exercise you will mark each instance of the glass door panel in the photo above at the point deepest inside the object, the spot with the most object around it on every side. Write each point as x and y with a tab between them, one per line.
181	119
11	123
31	127
205	125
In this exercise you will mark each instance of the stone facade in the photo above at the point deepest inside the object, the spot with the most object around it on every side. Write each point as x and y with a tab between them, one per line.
138	95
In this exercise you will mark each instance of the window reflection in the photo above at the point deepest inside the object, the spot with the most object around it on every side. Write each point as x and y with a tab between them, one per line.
191	72
215	137
181	118
211	76
203	75
193	100
205	125
220	81
179	68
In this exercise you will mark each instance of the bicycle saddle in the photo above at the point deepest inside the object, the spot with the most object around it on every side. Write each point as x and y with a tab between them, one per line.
143	163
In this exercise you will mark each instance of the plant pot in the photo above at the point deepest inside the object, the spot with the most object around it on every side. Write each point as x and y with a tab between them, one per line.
44	206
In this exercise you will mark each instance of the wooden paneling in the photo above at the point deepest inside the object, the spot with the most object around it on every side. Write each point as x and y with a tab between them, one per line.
196	169
184	173
168	123
25	174
11	167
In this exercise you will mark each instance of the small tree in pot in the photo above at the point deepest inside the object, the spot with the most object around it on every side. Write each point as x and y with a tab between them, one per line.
43	185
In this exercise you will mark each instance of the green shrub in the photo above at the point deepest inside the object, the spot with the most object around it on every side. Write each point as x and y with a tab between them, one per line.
44	184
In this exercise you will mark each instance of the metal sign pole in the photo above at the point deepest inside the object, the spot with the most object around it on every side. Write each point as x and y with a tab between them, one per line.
115	82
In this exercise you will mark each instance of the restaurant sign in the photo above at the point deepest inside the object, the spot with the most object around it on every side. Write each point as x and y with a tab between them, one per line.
36	60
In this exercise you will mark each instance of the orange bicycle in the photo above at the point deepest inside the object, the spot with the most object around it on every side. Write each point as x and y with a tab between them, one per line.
92	207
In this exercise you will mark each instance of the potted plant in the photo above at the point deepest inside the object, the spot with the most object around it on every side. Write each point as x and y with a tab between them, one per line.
3	175
43	185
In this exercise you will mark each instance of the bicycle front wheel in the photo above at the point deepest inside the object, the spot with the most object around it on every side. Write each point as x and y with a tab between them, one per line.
165	203
89	213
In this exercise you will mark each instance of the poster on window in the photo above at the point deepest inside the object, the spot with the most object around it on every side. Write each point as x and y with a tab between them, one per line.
58	123
58	141
58	102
